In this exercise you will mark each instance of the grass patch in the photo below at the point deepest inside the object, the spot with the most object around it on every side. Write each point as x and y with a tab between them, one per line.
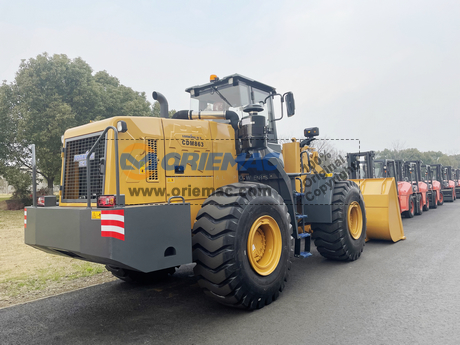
22	284
27	273
11	219
5	197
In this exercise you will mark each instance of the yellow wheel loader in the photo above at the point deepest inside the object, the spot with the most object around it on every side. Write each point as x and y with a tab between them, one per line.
211	185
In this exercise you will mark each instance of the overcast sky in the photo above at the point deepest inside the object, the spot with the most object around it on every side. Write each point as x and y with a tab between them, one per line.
378	71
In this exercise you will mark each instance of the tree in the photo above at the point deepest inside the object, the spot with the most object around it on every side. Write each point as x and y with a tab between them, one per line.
21	181
429	157
331	157
49	95
156	110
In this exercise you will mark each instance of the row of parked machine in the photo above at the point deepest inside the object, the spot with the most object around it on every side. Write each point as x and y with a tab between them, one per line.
419	186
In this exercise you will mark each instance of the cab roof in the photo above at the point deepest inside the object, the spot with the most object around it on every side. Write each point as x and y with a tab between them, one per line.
231	79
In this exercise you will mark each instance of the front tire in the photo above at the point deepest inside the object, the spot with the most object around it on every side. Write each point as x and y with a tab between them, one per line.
241	245
344	238
433	203
418	204
426	207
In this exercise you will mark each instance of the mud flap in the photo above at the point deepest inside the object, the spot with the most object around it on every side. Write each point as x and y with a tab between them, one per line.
382	209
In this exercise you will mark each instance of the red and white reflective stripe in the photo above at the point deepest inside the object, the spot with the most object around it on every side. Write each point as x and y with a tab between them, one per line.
113	224
25	218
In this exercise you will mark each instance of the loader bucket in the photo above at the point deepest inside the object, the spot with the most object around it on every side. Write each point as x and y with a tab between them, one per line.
382	209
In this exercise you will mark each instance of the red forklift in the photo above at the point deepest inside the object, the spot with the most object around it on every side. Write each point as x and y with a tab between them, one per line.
434	187
410	175
394	168
447	189
419	182
449	177
457	182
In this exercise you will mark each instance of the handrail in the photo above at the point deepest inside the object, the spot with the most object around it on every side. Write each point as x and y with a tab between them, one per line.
301	160
88	155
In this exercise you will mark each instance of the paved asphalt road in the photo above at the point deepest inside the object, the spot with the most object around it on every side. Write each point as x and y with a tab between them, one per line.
403	293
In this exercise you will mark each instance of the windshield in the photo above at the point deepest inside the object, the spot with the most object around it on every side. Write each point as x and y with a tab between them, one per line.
407	173
424	173
379	172
434	173
391	170
363	173
231	97
444	174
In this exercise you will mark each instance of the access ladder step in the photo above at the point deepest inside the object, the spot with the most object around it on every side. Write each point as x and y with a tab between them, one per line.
304	234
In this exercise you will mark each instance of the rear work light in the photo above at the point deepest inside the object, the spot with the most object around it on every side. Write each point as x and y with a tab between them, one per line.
106	201
41	201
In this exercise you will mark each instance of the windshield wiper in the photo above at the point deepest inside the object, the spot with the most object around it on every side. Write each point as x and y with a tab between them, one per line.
221	96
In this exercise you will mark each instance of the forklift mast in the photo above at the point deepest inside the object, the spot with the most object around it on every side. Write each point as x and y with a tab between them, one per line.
417	165
361	164
399	163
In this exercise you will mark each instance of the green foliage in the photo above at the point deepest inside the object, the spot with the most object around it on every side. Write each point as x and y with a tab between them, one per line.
20	180
429	157
49	95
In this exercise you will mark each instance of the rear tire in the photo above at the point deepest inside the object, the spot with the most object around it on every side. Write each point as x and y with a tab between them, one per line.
136	277
226	269
411	212
441	199
340	240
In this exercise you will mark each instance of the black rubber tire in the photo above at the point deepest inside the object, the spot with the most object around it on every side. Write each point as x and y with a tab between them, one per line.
333	240
418	205
136	277
426	207
441	199
433	203
411	212
220	236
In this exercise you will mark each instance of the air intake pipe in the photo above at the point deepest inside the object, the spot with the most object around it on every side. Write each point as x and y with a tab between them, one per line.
164	111
209	115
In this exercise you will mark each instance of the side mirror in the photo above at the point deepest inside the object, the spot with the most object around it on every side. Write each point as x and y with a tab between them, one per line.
290	104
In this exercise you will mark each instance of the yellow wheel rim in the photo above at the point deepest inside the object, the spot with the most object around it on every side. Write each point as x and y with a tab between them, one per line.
264	245
355	220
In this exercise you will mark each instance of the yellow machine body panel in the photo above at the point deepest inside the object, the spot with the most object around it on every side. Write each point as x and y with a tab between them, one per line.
196	145
382	209
380	195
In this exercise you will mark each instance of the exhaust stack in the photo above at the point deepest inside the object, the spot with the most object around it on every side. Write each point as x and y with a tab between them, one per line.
164	111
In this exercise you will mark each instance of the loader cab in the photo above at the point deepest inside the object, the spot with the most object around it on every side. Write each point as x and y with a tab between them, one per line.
361	165
233	93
